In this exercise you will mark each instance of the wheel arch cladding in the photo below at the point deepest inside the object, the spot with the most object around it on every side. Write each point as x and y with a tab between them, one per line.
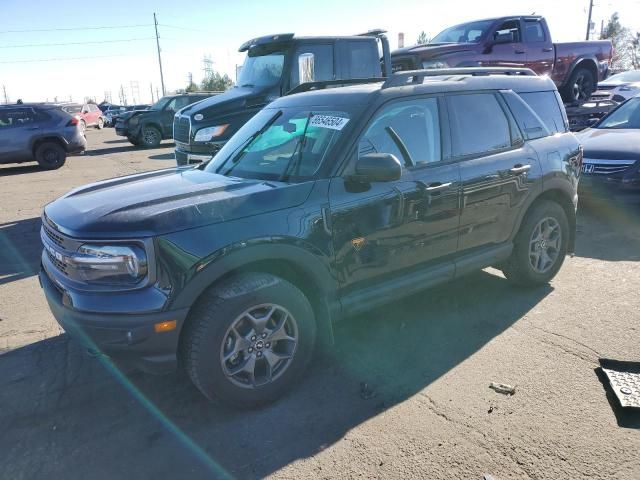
587	63
561	198
304	273
40	140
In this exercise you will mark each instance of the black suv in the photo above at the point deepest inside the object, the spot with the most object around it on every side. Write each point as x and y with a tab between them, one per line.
324	204
149	126
38	132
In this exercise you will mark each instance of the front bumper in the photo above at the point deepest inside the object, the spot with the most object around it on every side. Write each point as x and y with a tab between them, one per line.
128	338
187	154
126	130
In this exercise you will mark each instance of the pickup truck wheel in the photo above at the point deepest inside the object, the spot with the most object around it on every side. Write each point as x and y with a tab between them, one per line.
248	340
151	137
540	246
50	155
580	86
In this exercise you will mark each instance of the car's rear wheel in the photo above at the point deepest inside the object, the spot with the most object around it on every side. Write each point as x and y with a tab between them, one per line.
151	136
100	123
50	155
83	126
249	339
540	245
580	86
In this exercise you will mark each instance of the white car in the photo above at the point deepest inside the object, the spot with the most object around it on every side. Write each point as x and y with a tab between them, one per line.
619	87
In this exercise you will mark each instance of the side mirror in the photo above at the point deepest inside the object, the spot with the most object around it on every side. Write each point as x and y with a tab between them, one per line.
507	37
306	68
378	167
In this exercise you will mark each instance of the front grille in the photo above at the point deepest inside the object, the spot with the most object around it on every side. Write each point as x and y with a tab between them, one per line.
59	264
603	167
181	129
53	236
606	87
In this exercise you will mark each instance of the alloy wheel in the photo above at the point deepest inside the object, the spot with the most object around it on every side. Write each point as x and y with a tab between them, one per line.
544	245
259	346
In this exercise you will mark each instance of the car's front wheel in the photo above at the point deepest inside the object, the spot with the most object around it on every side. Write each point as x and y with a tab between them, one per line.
249	339
100	123
540	245
50	155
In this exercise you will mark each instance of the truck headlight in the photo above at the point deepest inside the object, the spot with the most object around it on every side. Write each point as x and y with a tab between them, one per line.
110	264
427	64
206	134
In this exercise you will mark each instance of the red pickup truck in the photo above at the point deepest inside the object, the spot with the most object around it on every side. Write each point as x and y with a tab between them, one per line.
520	41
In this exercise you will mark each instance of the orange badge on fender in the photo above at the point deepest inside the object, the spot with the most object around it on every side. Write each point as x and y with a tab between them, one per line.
358	243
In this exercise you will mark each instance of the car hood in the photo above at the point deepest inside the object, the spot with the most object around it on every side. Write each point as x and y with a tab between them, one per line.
618	83
612	144
165	201
230	101
127	115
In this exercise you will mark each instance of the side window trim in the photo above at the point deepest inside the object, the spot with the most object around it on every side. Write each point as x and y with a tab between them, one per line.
461	158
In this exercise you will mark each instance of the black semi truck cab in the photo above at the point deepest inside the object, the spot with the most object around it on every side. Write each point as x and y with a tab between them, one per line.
274	66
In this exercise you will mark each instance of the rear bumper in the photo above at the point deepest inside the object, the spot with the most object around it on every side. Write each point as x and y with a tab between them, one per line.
128	338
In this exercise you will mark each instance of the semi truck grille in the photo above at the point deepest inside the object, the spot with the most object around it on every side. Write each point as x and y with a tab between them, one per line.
181	129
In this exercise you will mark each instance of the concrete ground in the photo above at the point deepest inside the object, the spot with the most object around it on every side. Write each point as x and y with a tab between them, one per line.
404	393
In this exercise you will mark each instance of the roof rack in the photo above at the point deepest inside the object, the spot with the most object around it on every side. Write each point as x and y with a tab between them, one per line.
417	76
372	33
321	85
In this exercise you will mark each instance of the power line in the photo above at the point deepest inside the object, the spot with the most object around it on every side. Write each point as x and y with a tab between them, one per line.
75	28
62	59
182	28
75	43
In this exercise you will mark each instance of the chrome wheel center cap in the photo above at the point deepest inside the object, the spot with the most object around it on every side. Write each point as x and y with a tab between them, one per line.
259	345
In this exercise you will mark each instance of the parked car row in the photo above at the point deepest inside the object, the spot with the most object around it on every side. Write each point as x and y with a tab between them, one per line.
88	114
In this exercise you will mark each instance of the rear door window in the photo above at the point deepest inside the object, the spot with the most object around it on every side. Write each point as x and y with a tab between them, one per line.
16	117
478	124
546	105
415	122
531	125
361	60
533	31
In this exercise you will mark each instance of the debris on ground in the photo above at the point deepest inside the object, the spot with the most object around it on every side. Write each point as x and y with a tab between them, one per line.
624	378
503	388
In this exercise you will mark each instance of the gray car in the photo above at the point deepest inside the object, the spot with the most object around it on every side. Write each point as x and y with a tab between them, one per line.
38	132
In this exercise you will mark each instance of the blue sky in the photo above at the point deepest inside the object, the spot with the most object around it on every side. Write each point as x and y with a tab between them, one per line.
191	29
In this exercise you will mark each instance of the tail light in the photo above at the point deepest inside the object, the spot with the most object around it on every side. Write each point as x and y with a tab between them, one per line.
73	122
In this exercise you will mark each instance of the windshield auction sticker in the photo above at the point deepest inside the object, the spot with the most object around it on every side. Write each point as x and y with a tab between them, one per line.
328	121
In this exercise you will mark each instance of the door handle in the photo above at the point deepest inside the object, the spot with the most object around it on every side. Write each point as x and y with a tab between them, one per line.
33	128
520	51
518	169
437	187
548	49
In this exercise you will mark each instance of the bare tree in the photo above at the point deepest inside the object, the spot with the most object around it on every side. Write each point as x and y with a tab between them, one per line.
621	39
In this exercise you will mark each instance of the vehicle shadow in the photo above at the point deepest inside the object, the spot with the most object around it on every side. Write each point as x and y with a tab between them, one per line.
608	229
65	412
20	249
120	140
21	169
163	156
110	150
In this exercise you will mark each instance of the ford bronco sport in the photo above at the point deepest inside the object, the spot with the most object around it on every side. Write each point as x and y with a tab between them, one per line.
326	203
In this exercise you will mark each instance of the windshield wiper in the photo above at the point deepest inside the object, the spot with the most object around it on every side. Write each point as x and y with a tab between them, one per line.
248	85
295	161
235	156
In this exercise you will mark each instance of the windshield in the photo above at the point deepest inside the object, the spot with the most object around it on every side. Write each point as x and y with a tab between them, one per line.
261	71
287	144
465	33
160	104
632	76
625	116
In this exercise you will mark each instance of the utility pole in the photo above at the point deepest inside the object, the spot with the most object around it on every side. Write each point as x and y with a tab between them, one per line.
151	88
155	23
589	19
157	94
6	97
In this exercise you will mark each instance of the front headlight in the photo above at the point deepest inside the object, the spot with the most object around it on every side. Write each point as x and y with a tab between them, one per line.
206	134
110	264
626	88
434	64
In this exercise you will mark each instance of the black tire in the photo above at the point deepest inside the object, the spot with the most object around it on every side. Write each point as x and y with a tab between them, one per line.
134	140
580	86
208	333
100	124
50	155
150	136
519	269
